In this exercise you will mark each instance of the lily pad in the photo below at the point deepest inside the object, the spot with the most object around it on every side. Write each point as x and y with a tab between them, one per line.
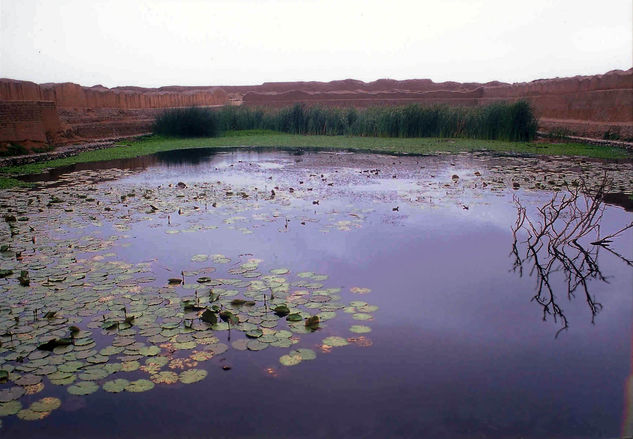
294	317
290	359
254	333
30	415
28	380
335	341
141	385
192	376
165	377
362	316
83	388
360	329
305	354
10	408
149	351
46	404
115	386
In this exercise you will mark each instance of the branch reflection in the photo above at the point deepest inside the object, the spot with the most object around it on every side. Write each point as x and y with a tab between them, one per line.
564	236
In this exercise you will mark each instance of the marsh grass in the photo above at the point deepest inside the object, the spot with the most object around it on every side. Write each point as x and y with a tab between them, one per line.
513	122
187	122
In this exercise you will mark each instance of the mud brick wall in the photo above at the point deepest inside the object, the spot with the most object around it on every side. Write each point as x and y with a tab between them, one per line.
28	121
589	106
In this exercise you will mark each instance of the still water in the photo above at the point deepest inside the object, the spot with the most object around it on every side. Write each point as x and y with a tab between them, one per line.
445	332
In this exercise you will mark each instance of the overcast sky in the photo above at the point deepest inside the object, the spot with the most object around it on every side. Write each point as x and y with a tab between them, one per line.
153	43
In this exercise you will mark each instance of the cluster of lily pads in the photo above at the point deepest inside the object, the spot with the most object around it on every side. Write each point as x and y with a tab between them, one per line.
461	179
73	314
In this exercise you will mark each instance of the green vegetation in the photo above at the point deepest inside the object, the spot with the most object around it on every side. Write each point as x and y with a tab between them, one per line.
187	122
499	121
8	182
12	149
260	138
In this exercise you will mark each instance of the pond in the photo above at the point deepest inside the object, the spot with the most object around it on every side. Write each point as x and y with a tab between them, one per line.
457	296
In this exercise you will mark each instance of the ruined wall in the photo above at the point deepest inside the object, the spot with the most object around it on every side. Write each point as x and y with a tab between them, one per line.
584	105
97	112
69	95
29	121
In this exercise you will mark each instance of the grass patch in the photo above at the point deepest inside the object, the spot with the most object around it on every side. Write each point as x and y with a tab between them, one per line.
8	182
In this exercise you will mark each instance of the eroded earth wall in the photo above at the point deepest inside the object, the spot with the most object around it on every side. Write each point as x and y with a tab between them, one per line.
591	106
29	122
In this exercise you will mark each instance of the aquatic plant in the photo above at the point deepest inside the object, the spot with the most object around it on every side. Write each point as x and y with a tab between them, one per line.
499	121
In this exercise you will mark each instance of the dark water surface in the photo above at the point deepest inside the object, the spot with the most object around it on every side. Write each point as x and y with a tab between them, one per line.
458	347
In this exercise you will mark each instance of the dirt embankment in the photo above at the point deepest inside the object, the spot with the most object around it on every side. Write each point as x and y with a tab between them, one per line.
588	106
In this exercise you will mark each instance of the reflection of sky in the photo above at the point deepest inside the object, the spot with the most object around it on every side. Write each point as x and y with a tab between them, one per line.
459	349
457	340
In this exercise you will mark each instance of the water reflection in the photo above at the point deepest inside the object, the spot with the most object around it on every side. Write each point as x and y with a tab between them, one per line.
564	236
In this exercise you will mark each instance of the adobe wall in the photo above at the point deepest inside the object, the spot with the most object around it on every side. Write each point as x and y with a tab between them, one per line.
29	121
584	105
69	95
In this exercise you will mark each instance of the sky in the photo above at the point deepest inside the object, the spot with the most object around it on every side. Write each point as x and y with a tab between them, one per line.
154	43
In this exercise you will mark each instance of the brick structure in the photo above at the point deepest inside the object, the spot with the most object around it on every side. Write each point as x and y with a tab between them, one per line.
24	122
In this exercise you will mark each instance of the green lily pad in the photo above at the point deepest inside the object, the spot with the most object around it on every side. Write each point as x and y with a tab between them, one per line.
130	366
46	404
367	308
280	271
110	350
360	329
10	408
290	359
93	375
305	354
254	333
115	386
335	341
30	415
70	366
28	380
149	351
165	377
294	317
83	388
362	316
240	345
158	361
141	385
256	345
192	376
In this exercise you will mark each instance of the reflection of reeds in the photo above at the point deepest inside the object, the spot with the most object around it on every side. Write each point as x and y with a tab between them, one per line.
564	236
498	121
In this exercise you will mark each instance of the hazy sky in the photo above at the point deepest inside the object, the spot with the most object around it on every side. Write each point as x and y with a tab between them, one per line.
153	43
